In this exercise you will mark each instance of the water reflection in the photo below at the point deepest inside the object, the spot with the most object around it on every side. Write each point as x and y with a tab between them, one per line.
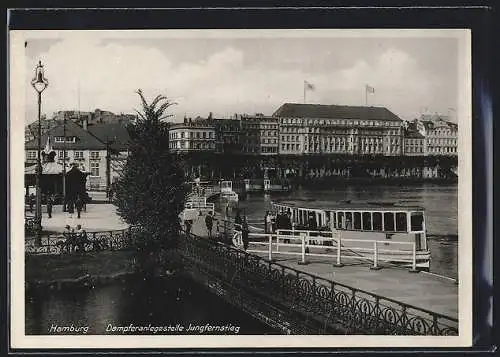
176	302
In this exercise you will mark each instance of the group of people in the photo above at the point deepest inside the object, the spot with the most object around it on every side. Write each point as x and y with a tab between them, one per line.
75	239
79	204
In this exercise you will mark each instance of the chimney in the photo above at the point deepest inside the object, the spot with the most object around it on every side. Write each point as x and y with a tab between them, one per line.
85	123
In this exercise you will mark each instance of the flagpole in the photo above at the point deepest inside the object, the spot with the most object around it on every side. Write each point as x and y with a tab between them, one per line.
304	92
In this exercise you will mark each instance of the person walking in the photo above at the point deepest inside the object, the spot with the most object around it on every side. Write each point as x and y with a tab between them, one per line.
237	220
50	203
78	205
244	233
209	221
31	201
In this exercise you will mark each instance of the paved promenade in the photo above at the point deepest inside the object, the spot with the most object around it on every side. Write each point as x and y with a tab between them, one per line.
98	217
427	291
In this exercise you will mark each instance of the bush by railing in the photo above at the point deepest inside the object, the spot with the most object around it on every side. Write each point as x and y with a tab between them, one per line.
356	310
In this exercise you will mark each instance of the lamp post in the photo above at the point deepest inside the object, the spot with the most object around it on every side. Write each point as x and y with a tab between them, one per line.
40	83
64	166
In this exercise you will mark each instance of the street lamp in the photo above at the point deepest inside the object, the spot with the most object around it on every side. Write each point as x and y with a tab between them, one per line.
39	82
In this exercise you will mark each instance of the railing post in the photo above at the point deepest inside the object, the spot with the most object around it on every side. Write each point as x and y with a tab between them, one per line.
270	248
375	257
414	259
339	253
303	261
277	242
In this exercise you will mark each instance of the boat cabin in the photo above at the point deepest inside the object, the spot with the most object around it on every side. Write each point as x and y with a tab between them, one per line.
389	220
226	186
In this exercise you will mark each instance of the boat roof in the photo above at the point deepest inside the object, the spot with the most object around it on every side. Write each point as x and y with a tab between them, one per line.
347	205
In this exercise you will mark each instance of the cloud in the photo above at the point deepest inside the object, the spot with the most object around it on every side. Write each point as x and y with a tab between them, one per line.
108	74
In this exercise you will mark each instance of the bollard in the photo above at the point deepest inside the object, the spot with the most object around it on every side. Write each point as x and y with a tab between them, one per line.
375	257
303	261
339	247
414	260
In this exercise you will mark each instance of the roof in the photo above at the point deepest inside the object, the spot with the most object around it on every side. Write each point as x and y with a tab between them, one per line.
294	110
85	139
413	134
347	205
115	132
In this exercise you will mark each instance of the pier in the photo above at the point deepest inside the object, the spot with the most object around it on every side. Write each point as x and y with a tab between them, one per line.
351	297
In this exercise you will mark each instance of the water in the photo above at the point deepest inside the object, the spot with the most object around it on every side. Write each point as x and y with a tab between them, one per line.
176	302
440	203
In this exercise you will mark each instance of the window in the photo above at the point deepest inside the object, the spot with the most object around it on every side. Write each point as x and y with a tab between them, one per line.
32	154
401	223
94	168
357	220
377	221
389	221
78	154
367	221
94	155
348	220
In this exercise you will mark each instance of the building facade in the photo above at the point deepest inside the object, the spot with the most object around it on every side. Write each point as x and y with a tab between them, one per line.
333	129
227	134
85	148
441	135
259	134
192	136
414	143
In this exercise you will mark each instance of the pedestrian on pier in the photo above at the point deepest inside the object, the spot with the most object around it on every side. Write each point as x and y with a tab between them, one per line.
237	220
50	203
209	221
244	233
268	223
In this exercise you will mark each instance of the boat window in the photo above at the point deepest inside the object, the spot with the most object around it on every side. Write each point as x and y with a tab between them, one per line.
341	220
367	221
357	220
348	220
334	219
389	222
377	221
401	223
417	221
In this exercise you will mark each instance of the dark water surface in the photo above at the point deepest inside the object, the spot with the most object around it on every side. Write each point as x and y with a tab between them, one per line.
439	201
161	303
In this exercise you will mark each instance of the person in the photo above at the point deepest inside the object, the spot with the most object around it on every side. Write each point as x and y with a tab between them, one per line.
269	223
266	229
237	220
78	205
209	223
188	223
217	231
227	210
244	233
79	239
31	201
50	203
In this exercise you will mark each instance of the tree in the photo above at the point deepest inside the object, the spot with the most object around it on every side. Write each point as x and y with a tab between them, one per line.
150	192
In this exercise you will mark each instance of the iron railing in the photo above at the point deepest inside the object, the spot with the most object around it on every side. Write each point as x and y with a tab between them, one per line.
327	302
54	244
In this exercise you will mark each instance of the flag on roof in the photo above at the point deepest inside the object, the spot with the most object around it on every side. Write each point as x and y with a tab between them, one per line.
309	86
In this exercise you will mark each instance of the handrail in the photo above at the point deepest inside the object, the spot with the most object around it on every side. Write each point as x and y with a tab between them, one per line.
434	325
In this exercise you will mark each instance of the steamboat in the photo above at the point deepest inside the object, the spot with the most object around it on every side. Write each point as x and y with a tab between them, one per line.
400	230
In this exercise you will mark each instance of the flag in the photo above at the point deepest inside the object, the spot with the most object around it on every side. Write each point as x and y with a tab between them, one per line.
370	89
48	146
309	85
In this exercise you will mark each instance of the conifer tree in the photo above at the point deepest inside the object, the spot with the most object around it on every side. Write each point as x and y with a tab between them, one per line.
150	191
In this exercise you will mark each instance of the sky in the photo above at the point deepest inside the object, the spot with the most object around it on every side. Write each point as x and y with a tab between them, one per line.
250	74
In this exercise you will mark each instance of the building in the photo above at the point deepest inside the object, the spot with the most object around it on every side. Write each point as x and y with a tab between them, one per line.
336	129
259	134
85	148
414	143
227	134
440	134
192	136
